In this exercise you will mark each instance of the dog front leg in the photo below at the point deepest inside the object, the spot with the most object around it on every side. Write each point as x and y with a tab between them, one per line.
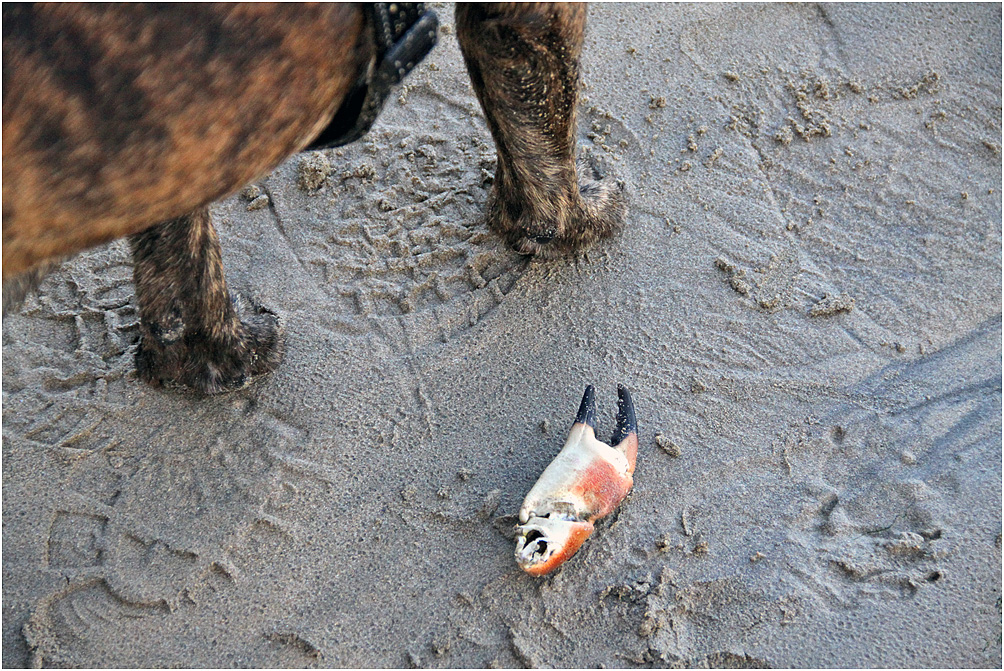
523	60
191	329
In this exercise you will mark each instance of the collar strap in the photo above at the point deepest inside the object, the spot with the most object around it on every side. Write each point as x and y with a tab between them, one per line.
404	33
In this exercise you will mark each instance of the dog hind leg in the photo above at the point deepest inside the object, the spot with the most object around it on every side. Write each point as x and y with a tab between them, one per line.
523	60
191	327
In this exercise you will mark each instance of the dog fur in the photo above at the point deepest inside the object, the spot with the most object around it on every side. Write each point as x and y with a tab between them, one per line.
129	120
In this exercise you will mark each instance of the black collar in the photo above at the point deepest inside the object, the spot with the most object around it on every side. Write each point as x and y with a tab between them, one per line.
404	33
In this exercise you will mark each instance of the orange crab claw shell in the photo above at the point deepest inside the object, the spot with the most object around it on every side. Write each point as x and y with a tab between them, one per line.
543	544
586	481
629	447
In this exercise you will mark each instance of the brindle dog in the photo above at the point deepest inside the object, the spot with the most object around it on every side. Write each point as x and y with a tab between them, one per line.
129	120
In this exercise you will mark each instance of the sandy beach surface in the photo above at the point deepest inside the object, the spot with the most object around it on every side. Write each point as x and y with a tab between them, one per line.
805	303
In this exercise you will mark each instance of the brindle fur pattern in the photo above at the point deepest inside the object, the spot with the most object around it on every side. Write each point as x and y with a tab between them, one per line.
524	64
191	328
129	120
117	117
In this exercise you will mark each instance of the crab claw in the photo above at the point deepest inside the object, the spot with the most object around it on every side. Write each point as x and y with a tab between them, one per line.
585	482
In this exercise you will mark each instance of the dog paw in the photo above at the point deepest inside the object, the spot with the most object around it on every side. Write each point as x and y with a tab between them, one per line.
603	202
597	211
210	363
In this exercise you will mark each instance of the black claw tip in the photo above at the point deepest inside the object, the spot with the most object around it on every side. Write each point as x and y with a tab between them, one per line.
626	422
587	409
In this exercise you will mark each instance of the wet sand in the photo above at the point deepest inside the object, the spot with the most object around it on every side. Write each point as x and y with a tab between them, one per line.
805	304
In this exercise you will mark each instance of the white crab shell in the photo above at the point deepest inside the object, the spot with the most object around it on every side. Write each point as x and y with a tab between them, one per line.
585	482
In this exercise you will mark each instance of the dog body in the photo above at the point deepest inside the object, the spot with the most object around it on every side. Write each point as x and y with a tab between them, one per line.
129	120
118	117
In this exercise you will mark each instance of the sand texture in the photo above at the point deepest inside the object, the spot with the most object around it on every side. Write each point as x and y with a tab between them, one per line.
805	304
